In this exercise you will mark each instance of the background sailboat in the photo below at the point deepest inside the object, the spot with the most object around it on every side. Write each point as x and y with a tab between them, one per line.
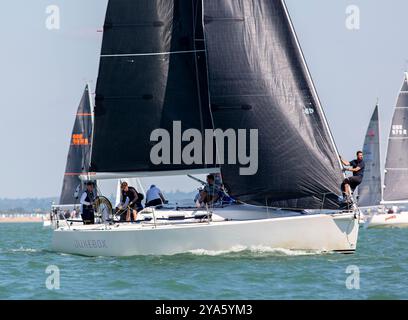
370	190
78	158
79	153
235	64
396	167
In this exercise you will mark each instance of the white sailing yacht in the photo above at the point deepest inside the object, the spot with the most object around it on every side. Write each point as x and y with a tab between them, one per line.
231	65
395	190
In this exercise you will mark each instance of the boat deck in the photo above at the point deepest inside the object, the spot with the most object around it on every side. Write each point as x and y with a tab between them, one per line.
189	216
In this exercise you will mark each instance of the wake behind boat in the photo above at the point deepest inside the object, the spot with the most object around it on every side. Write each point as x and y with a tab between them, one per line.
195	69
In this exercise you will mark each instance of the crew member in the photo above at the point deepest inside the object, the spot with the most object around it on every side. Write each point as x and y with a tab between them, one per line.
210	193
87	200
357	167
154	197
129	200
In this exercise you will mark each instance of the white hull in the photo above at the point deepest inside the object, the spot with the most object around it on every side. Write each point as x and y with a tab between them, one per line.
56	223
293	231
396	220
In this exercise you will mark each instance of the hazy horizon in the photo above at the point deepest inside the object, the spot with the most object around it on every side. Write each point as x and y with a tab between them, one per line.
44	73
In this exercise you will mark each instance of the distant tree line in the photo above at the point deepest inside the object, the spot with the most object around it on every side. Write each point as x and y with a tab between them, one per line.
26	205
31	205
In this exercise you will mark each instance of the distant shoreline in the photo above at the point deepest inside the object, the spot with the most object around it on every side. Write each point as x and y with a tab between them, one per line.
21	219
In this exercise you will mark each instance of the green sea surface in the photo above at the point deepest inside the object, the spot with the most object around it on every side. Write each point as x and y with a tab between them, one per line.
379	270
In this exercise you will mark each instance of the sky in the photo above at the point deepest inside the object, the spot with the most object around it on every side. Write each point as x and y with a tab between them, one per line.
43	73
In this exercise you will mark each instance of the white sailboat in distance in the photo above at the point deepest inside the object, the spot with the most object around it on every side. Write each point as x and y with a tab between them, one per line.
193	66
395	190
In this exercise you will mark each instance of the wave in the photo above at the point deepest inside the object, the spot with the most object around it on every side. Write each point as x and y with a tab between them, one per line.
256	250
21	249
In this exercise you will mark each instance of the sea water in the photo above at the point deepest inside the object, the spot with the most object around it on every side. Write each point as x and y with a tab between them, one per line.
378	270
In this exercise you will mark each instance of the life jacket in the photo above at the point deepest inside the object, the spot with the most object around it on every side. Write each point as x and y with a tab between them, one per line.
89	198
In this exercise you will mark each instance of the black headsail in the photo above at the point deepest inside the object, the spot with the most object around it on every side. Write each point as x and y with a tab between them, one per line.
370	189
396	166
259	80
79	151
152	72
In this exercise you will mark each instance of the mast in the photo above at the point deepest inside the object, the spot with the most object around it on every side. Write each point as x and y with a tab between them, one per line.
92	108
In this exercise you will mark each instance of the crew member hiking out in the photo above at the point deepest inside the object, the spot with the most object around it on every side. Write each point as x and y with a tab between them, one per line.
349	184
87	200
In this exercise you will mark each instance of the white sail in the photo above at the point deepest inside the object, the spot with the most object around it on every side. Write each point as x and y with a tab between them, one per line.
396	166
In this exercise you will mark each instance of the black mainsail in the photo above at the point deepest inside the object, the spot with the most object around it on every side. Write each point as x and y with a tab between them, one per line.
152	72
396	165
237	61
79	151
369	190
259	80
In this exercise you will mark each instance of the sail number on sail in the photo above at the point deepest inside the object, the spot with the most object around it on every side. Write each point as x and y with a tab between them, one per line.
398	130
